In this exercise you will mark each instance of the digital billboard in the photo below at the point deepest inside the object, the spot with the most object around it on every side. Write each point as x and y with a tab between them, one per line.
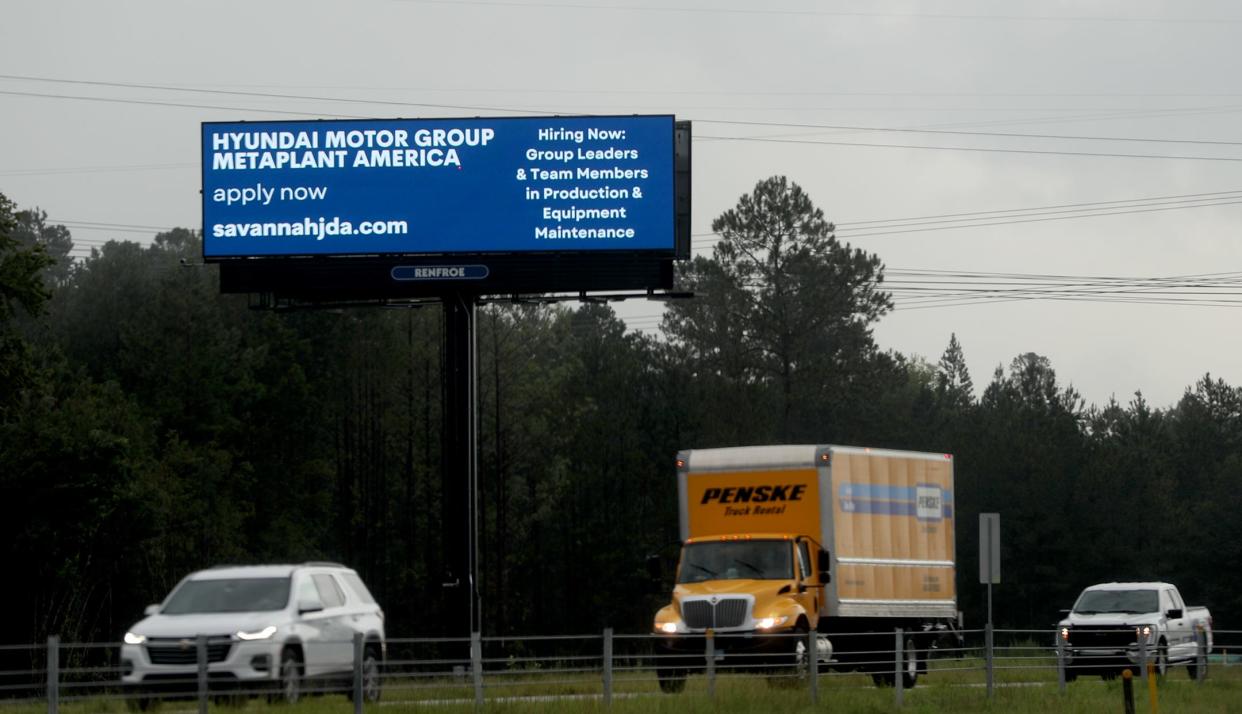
441	187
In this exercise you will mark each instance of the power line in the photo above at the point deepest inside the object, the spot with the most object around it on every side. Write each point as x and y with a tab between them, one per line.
1047	152
1010	135
259	95
820	13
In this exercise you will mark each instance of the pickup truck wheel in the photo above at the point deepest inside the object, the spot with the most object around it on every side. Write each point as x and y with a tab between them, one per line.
671	681
139	704
1193	670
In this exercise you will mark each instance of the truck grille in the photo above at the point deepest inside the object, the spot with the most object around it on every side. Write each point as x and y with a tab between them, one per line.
702	614
1116	637
184	651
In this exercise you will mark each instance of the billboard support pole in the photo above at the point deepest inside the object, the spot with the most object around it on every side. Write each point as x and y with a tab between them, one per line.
460	465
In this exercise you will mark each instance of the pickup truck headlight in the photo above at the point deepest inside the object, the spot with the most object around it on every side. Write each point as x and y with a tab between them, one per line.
134	639
263	634
1144	632
1065	633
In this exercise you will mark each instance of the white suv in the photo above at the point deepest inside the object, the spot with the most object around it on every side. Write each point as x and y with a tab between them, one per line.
266	627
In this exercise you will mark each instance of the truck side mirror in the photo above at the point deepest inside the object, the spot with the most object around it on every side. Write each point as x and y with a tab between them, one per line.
1175	614
824	561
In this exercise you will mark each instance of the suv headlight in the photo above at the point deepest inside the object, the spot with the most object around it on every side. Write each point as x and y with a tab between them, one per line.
263	634
134	639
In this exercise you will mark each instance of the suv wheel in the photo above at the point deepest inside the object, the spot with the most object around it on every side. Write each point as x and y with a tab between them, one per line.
372	680
290	678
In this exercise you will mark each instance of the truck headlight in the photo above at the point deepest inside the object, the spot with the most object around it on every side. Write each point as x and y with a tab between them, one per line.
669	628
768	623
1143	632
1065	634
134	639
263	634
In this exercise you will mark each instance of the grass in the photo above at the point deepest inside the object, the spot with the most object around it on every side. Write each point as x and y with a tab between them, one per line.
952	686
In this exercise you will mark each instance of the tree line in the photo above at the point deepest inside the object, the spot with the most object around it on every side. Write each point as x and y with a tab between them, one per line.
150	426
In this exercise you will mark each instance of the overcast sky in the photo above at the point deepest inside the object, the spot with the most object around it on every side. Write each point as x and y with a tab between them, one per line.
100	106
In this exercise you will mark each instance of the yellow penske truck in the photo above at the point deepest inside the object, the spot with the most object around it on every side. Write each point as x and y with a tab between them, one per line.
779	541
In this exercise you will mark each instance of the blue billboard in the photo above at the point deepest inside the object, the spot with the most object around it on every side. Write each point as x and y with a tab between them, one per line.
439	186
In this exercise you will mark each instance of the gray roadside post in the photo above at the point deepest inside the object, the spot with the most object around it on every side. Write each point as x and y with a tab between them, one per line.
1200	654
812	664
899	679
608	666
1060	662
357	673
709	652
53	674
1142	643
200	649
476	666
989	574
988	655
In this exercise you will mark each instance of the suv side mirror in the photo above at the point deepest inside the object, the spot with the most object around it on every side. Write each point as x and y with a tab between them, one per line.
305	606
150	610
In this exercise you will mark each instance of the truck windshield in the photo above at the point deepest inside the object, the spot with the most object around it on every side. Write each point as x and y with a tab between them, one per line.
1099	601
228	595
736	560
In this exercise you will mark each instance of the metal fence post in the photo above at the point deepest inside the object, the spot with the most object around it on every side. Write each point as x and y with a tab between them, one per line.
476	666
200	649
988	654
1060	662
608	666
357	673
53	674
899	678
812	664
710	654
1142	643
1200	654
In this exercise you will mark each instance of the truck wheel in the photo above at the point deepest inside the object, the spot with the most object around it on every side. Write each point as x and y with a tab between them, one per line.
671	681
1193	669
795	668
910	672
909	669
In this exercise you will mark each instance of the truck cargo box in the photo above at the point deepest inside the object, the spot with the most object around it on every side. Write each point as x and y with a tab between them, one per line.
886	518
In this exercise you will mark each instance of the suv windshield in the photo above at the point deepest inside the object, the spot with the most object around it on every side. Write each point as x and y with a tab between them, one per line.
1097	601
228	595
736	560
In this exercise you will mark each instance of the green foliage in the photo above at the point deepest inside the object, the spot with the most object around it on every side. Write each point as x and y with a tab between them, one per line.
150	426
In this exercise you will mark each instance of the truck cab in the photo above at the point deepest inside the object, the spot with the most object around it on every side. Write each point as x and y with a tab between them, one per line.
757	595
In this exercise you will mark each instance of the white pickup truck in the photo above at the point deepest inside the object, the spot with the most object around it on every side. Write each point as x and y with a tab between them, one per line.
1112	626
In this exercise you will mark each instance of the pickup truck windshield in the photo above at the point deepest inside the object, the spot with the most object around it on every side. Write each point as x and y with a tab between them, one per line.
736	560
1130	601
228	595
